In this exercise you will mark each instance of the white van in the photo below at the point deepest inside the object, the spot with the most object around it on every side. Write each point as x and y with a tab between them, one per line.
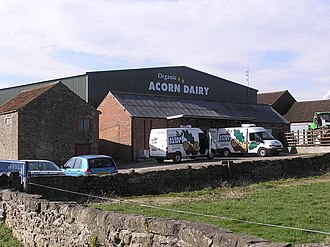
178	143
246	139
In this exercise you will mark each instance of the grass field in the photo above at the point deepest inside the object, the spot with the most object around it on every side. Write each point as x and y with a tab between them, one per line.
297	203
6	237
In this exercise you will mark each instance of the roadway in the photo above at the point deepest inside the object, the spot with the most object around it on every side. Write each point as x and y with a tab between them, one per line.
152	165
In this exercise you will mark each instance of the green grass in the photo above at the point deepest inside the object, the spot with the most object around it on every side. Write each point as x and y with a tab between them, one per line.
302	203
6	237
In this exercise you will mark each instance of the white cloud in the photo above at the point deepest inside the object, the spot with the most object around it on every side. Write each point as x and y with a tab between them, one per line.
327	95
216	36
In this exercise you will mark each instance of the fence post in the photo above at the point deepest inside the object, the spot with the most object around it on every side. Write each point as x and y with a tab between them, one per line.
304	136
25	177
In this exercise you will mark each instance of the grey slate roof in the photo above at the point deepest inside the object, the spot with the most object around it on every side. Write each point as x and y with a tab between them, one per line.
270	97
152	106
303	111
280	101
24	98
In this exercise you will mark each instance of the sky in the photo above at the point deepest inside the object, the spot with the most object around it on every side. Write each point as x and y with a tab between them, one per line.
285	45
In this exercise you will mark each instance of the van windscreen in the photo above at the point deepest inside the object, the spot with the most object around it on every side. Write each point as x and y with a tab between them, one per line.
264	135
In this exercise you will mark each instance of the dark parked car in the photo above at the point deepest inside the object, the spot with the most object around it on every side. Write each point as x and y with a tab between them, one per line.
42	167
34	167
85	165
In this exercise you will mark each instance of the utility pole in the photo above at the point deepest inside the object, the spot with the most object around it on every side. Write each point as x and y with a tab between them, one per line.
247	79
247	74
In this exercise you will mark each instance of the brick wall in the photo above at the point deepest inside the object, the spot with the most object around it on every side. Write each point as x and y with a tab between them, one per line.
141	132
125	137
122	136
9	136
115	129
48	126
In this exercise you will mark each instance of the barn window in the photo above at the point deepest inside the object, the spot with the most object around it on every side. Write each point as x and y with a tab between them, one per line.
8	120
83	125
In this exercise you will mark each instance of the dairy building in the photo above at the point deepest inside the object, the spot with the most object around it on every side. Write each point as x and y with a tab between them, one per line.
132	102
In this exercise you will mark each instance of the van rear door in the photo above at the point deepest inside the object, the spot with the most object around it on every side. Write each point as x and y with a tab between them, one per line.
158	143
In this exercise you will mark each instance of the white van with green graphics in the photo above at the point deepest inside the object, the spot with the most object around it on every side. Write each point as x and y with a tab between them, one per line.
178	143
245	139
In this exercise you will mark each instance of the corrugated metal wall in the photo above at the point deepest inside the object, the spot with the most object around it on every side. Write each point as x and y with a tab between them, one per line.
94	86
78	84
138	81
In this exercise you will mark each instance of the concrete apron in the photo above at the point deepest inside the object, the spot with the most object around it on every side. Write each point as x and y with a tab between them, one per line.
309	150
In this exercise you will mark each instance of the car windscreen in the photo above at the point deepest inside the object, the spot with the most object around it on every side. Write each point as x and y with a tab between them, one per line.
101	162
42	166
326	116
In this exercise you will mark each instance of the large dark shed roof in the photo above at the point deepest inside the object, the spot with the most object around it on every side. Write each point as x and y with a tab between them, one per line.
151	106
303	111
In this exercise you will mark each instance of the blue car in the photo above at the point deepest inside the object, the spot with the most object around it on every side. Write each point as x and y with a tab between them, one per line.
85	165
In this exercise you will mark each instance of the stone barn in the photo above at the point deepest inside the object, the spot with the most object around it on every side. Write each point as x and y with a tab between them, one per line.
50	122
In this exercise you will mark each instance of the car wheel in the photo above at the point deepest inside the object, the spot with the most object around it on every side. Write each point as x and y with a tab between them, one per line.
262	152
211	154
226	152
160	160
177	157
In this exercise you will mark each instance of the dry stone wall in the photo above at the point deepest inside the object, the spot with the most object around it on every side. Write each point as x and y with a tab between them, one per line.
38	222
165	181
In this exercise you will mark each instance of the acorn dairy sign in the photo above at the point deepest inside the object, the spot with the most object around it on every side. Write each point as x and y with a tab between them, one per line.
175	84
